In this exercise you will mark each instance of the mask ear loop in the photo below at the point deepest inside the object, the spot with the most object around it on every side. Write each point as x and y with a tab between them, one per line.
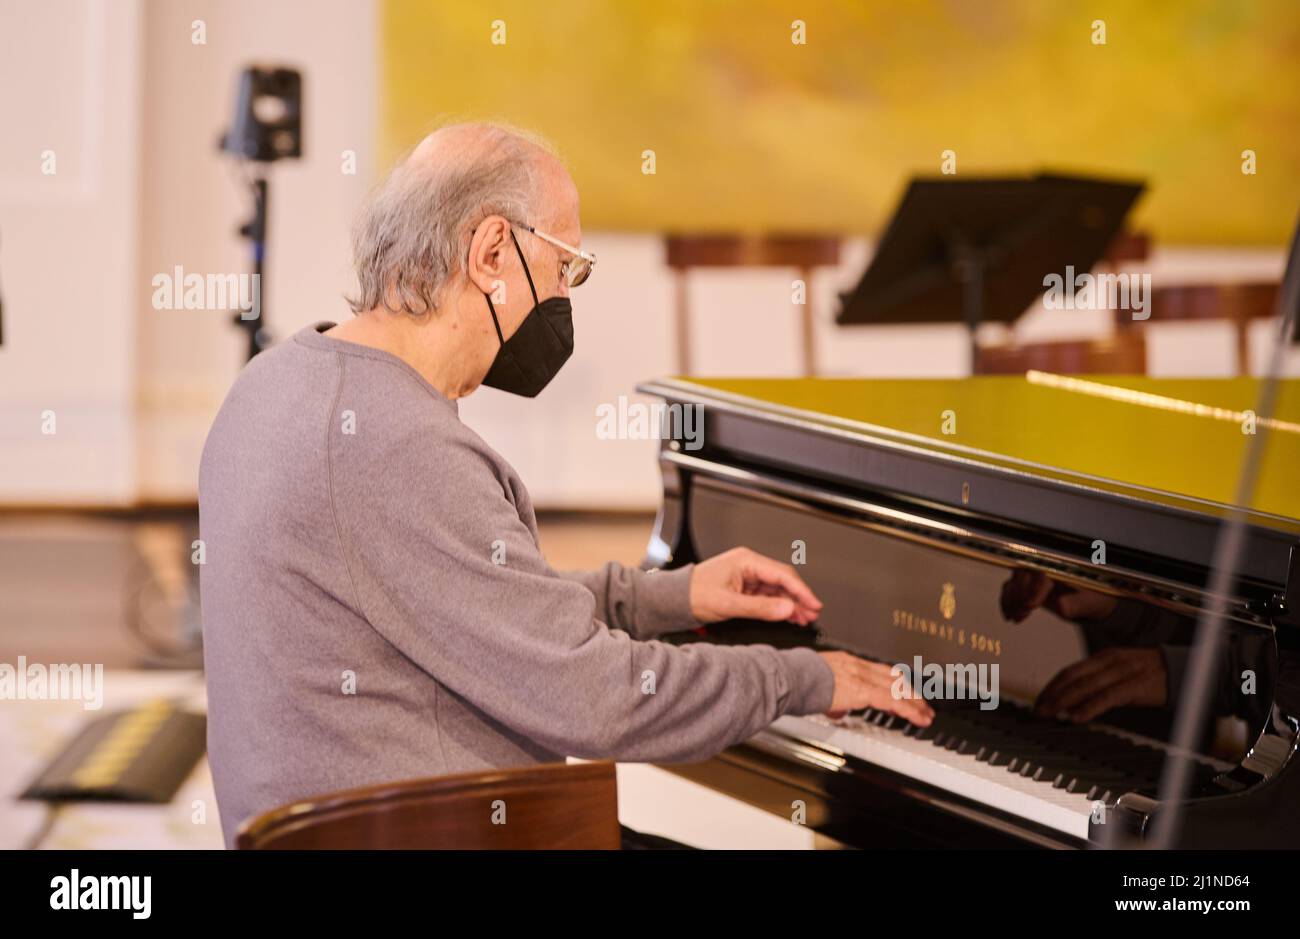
533	290
495	322
527	273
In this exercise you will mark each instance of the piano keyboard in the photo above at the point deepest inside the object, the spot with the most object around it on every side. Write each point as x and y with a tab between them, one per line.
1048	772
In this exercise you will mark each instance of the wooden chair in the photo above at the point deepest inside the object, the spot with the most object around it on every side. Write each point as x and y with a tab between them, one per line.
1123	354
552	806
1239	303
802	252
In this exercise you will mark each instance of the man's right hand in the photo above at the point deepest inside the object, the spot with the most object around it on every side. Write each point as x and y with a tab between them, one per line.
862	684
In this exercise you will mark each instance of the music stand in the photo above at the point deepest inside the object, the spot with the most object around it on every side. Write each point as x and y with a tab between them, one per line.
967	250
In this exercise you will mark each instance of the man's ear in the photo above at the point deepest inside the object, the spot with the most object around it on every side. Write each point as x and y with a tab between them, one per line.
488	248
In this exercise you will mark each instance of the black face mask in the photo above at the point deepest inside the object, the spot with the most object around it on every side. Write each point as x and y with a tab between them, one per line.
529	359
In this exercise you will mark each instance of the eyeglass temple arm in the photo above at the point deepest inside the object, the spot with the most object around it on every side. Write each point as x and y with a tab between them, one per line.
560	244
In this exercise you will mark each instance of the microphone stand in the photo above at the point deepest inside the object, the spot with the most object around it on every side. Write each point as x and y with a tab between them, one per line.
251	321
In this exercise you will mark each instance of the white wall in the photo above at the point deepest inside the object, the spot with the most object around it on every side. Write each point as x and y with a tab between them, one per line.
70	81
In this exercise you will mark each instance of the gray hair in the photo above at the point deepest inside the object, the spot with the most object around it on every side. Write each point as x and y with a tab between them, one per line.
413	232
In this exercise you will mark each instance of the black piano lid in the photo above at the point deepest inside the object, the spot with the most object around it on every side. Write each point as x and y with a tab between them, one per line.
1147	464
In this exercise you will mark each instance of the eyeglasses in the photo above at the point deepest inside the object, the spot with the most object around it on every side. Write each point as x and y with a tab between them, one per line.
577	269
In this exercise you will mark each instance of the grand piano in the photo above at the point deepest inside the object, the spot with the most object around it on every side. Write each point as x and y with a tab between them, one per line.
1027	533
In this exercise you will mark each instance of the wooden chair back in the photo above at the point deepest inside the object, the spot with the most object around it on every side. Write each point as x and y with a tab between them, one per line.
551	806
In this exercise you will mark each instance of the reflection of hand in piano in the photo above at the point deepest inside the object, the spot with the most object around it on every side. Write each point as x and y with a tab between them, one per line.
1114	677
1027	590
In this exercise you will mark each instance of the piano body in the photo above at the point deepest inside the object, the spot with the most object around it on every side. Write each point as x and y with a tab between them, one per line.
1029	523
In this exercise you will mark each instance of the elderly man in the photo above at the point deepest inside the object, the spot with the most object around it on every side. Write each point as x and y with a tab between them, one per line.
375	603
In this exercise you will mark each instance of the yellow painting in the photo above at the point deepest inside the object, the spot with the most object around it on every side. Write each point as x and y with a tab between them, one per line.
720	115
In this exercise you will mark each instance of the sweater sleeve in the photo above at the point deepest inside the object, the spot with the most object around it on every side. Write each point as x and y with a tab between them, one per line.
643	604
445	569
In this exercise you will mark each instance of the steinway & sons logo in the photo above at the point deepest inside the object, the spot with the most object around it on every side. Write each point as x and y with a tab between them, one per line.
945	630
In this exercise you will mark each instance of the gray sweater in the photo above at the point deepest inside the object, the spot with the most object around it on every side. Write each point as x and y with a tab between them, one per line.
376	608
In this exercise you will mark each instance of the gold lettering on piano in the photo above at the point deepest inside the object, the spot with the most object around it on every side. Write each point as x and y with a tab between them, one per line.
926	626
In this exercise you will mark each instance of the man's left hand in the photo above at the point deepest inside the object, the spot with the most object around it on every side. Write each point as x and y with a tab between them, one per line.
741	583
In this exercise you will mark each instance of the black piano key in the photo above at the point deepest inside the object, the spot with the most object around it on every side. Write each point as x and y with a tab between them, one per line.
974	731
1065	780
1058	765
1070	771
1016	766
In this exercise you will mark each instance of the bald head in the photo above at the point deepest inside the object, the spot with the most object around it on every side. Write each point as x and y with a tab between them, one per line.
413	234
462	147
